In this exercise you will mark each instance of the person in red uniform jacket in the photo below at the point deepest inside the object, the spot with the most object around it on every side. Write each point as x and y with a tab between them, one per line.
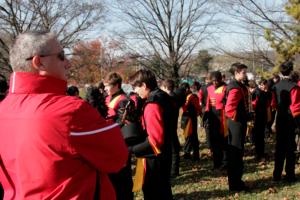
191	110
216	119
287	102
53	146
116	102
236	111
154	153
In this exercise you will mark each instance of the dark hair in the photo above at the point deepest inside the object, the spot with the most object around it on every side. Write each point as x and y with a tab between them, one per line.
252	84
101	85
196	85
286	68
143	76
73	91
263	81
185	86
237	67
216	75
97	100
169	84
113	78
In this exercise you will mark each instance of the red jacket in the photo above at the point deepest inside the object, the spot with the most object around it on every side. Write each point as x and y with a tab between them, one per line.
52	145
192	105
112	103
215	97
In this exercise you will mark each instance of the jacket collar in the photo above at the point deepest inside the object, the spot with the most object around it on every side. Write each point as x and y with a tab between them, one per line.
26	83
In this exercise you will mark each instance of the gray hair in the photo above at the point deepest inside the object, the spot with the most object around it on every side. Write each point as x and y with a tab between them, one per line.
27	45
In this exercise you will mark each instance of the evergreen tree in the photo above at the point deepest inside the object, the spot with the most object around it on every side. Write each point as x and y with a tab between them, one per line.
287	44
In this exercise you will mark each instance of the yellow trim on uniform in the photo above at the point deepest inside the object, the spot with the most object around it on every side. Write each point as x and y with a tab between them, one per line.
188	129
154	147
296	114
113	102
219	90
138	179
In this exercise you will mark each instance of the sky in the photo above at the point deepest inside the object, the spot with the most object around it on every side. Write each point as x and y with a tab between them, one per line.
229	36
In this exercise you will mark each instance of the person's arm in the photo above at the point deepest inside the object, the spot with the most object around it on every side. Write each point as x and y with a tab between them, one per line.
99	142
295	103
234	96
200	95
273	101
195	102
255	99
154	128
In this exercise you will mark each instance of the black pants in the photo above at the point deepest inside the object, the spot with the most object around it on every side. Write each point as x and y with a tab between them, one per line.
285	147
215	137
259	137
235	166
192	142
206	126
122	182
235	153
157	180
175	156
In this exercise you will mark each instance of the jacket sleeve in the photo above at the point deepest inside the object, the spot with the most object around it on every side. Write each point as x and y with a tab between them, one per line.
273	101
154	128
295	105
255	99
200	95
98	141
196	104
233	99
295	101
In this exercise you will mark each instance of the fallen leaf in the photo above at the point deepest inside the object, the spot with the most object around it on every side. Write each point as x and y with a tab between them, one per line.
272	190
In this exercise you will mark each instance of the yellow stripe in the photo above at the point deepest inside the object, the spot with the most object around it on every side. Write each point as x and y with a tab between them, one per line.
188	129
113	102
296	114
155	149
219	90
188	98
138	179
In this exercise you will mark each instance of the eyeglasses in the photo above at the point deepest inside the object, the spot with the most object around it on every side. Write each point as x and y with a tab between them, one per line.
60	55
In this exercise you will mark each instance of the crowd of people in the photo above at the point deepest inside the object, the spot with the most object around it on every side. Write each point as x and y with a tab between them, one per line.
56	145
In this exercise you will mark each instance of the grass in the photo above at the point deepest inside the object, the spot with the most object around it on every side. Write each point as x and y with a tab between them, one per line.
197	180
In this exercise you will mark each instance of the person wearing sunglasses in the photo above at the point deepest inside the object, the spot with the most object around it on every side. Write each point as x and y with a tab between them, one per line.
53	146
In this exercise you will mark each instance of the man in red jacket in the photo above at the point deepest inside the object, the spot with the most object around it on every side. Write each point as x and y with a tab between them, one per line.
236	111
53	146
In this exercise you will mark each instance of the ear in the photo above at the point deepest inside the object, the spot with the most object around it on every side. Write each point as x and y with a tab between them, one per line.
144	85
36	63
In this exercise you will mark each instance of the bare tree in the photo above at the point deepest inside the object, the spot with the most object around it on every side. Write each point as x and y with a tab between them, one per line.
69	19
167	31
253	18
